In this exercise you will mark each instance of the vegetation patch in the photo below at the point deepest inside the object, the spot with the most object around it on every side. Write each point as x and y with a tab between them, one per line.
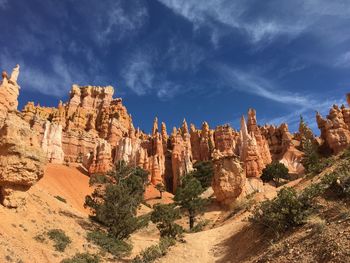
164	217
115	205
203	172
188	197
275	172
60	239
82	258
155	252
115	247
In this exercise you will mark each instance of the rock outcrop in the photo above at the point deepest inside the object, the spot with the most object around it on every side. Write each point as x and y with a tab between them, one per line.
9	91
21	157
100	160
21	161
201	142
335	129
229	178
181	157
226	140
250	153
52	142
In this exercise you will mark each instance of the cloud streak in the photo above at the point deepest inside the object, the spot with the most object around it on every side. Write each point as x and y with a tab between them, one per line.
267	21
118	23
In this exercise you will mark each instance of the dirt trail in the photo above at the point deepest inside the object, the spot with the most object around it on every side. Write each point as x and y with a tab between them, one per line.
201	246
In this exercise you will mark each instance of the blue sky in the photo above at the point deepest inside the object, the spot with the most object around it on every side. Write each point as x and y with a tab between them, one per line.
203	60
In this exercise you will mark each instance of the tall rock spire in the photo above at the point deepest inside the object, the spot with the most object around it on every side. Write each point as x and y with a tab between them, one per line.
184	127
244	129
164	132
155	126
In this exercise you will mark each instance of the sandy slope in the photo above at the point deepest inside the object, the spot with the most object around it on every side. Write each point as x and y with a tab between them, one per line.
67	182
44	212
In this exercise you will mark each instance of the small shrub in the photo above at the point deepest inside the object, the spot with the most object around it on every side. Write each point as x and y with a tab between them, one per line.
82	258
345	154
274	172
279	214
59	198
161	188
338	183
317	224
188	197
60	239
166	242
164	216
154	252
203	172
143	220
242	205
199	226
40	238
109	244
98	179
149	255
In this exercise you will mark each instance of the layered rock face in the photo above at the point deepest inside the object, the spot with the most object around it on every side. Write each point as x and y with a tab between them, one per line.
90	114
21	157
335	129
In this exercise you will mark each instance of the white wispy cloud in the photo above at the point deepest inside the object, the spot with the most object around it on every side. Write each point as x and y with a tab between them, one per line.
343	60
254	84
294	104
233	14
264	22
183	55
117	23
142	76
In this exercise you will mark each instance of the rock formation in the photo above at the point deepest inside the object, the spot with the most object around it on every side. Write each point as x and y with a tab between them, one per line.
226	140
95	129
201	142
52	142
250	154
100	160
229	178
181	157
21	161
21	158
9	91
335	129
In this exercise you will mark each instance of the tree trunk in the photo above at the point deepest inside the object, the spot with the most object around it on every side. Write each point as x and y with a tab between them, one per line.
161	195
191	217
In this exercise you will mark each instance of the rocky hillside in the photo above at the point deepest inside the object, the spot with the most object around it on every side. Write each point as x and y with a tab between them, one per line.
60	147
